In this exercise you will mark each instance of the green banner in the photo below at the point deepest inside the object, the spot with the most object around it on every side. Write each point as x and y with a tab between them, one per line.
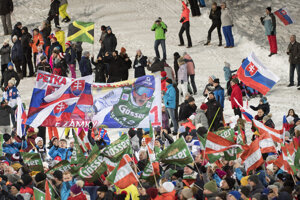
118	148
77	154
63	166
38	194
33	161
211	157
177	153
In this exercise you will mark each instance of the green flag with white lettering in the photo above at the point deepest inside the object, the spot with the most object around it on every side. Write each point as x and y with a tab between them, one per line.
177	153
38	194
77	154
118	148
63	166
33	161
211	157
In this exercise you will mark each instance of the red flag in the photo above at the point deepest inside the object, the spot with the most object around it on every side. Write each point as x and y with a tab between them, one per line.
47	192
266	143
252	157
277	135
216	143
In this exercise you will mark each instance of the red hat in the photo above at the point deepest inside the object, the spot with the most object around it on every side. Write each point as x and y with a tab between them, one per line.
61	55
203	107
123	50
68	43
58	158
5	161
163	74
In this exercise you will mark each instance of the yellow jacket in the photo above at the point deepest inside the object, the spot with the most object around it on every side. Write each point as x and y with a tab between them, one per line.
131	190
60	35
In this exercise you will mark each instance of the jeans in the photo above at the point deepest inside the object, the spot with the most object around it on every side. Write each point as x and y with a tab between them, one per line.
211	29
6	23
171	114
227	32
292	70
185	27
192	77
163	46
273	43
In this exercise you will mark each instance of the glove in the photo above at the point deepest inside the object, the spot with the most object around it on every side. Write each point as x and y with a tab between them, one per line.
272	33
252	107
90	125
261	19
37	43
182	19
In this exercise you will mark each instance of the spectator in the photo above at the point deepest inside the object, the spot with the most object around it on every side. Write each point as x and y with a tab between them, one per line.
115	63
70	57
60	37
53	12
267	120
160	29
109	42
188	109
17	30
85	66
100	72
185	20
102	36
219	92
215	16
78	50
5	112
6	8
17	54
10	147
176	67
44	65
194	8
37	41
263	104
54	44
226	19
256	185
26	42
9	74
46	31
59	65
209	87
294	58
126	64
139	64
5	55
190	70
155	65
182	76
170	103
163	81
214	110
236	95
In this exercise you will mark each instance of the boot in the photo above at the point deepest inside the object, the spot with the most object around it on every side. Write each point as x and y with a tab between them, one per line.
220	44
207	43
67	19
180	45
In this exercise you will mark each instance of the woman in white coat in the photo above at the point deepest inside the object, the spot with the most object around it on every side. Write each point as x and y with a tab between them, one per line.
227	24
182	77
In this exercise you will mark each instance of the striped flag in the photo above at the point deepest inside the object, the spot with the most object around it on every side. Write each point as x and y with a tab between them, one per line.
245	112
21	117
252	157
286	160
277	135
81	32
84	141
284	16
215	143
123	175
266	143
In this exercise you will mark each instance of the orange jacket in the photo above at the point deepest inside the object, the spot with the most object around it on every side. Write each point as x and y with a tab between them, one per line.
37	41
185	13
166	196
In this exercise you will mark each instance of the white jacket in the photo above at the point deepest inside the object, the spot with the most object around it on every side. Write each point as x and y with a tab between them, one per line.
226	17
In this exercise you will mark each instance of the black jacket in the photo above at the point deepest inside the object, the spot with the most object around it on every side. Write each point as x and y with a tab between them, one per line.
16	31
26	39
265	107
100	72
6	6
5	112
257	189
187	111
70	56
8	74
109	43
115	65
139	65
61	64
176	66
157	66
126	65
215	16
51	48
17	52
44	67
213	106
54	8
294	53
46	33
85	66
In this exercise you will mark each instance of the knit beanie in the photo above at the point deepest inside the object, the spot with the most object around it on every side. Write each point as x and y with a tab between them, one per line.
168	186
203	107
68	43
211	186
163	74
75	189
187	193
38	139
236	194
6	137
221	173
245	190
244	180
12	81
230	182
169	81
152	192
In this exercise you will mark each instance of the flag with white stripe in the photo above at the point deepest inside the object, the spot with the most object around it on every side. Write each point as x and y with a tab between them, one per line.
266	143
277	135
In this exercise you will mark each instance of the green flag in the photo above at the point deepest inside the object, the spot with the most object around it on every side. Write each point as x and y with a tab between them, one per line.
94	166
38	194
211	157
63	166
33	161
177	153
118	148
81	32
297	159
77	154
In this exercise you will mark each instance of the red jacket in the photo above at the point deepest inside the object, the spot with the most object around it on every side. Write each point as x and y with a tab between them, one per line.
80	196
166	196
163	85
185	13
237	94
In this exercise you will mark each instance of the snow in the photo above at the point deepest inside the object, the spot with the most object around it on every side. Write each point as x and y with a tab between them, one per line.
131	21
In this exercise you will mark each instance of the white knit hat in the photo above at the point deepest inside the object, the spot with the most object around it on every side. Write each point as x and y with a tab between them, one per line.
168	186
38	139
270	168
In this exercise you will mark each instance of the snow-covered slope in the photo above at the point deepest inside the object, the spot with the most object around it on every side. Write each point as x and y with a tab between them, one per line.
131	21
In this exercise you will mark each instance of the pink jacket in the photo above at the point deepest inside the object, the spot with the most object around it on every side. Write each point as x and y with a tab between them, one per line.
185	13
189	65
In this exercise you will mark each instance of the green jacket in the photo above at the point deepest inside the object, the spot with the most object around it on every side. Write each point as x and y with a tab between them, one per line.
159	31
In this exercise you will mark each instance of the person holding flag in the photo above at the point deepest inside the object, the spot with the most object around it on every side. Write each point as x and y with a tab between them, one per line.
11	148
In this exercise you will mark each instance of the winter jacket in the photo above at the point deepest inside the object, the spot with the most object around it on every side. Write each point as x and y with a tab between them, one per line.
228	72
60	67
26	41
163	85
109	43
166	196
187	111
132	192
236	94
176	66
200	119
257	189
219	94
51	48
64	154
100	71
14	147
170	72
80	196
126	65
65	189
185	15
16	31
54	8
270	123
42	152
44	67
115	63
139	65
189	64
294	53
226	17
213	106
85	66
156	66
46	33
265	107
215	16
170	97
6	7
159	30
9	74
60	36
5	112
37	41
5	54
209	87
17	52
269	22
11	95
70	56
182	73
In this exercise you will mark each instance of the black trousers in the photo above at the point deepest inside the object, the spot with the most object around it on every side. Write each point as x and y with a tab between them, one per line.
238	112
3	68
195	8
27	60
185	27
211	29
192	77
56	19
18	66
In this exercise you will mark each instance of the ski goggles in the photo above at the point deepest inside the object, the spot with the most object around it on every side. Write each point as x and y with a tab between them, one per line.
144	90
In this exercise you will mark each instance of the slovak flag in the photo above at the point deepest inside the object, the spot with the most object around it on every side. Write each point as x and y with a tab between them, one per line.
284	16
255	75
21	118
246	113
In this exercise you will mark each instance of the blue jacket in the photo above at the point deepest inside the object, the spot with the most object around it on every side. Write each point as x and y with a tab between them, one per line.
14	147
64	154
85	66
17	52
70	56
269	22
228	73
65	189
170	97
219	94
